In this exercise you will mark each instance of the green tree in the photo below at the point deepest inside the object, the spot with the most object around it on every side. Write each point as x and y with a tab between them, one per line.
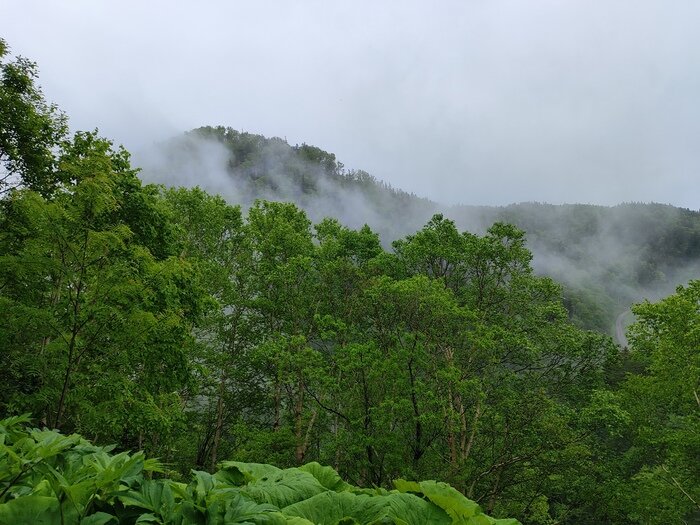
664	405
212	236
286	297
515	370
100	326
30	128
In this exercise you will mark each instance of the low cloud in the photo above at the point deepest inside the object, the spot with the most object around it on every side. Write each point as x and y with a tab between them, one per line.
483	103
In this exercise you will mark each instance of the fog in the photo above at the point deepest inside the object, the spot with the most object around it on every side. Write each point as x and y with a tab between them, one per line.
191	160
468	105
613	257
469	102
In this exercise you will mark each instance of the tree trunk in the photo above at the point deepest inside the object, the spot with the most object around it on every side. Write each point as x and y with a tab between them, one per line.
494	491
449	423
278	406
467	447
298	421
66	378
219	421
303	446
418	427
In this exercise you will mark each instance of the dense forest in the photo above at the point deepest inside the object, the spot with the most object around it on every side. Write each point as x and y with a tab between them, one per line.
607	258
216	336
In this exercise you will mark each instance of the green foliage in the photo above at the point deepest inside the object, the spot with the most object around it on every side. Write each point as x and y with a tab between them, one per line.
607	257
664	431
99	324
46	477
172	322
29	128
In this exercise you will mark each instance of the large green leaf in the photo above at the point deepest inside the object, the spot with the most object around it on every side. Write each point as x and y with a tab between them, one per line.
238	473
154	496
414	510
149	518
118	469
99	518
50	443
329	508
31	510
284	488
326	476
242	510
79	494
202	484
459	507
333	508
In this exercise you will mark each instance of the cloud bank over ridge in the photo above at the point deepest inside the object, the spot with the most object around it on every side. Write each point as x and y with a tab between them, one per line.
469	102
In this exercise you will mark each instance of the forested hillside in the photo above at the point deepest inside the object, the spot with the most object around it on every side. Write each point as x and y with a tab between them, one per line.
607	257
243	167
171	321
65	479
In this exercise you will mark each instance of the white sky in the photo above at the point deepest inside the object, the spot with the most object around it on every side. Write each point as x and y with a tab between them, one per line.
473	101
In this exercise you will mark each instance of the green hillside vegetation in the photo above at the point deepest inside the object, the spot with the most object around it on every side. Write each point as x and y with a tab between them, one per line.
55	478
250	167
607	258
169	321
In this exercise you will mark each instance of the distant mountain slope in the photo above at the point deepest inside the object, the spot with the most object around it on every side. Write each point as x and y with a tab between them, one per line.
243	167
607	257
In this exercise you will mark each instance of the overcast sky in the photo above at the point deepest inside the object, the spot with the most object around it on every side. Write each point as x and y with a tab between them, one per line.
472	101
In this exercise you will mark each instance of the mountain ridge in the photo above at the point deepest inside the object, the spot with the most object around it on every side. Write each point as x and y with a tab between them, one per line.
607	257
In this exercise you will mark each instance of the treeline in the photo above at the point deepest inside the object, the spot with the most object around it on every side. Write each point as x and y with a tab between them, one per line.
170	321
271	163
606	257
49	478
244	167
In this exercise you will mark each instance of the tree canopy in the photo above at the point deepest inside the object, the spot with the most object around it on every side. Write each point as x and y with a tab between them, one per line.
217	338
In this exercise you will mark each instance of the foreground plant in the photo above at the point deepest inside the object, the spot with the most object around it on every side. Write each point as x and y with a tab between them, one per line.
47	477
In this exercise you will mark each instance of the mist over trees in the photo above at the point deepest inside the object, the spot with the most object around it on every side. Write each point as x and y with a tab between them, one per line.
607	257
172	321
